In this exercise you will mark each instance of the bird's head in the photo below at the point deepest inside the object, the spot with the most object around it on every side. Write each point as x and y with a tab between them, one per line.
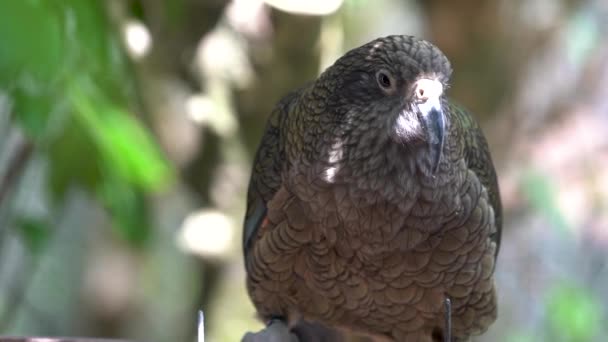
393	88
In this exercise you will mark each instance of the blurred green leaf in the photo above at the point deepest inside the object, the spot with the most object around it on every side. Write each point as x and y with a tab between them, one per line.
61	62
44	44
75	160
126	156
31	48
34	232
132	151
128	210
33	110
99	54
127	148
69	82
31	59
573	313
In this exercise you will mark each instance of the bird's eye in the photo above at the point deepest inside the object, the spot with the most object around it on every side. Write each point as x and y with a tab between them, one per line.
384	80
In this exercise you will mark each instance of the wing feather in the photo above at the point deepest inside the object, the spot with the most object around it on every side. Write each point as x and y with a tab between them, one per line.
478	158
265	181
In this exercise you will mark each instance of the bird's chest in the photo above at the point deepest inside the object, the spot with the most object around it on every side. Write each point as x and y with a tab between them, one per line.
371	219
371	233
348	255
361	233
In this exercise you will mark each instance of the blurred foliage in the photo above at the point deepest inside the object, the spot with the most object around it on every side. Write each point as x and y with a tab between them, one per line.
574	314
72	92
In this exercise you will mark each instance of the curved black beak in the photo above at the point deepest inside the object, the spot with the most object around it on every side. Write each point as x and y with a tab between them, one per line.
433	118
434	123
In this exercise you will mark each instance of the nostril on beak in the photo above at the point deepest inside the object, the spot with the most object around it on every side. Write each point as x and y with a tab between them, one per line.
426	88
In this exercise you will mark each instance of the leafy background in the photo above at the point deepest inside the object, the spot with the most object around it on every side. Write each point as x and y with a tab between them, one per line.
127	128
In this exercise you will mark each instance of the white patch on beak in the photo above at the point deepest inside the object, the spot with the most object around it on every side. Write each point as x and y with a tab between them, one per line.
427	93
428	100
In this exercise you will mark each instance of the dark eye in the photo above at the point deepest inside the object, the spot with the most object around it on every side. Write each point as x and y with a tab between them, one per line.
384	80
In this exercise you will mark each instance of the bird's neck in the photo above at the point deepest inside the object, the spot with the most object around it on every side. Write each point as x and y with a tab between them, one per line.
385	168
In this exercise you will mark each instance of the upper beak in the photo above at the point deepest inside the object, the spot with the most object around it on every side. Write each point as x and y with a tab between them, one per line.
428	93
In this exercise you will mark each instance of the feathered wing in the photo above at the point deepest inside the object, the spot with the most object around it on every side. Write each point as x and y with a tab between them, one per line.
265	179
478	159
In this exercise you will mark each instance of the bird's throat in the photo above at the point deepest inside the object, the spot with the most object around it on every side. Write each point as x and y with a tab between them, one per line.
407	129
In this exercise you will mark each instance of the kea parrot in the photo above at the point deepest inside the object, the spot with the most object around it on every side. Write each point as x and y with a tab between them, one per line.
373	207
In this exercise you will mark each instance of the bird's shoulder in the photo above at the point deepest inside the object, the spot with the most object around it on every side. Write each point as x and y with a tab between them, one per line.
268	165
478	159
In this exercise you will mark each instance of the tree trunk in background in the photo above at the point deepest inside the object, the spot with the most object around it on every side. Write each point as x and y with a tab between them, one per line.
290	59
471	33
